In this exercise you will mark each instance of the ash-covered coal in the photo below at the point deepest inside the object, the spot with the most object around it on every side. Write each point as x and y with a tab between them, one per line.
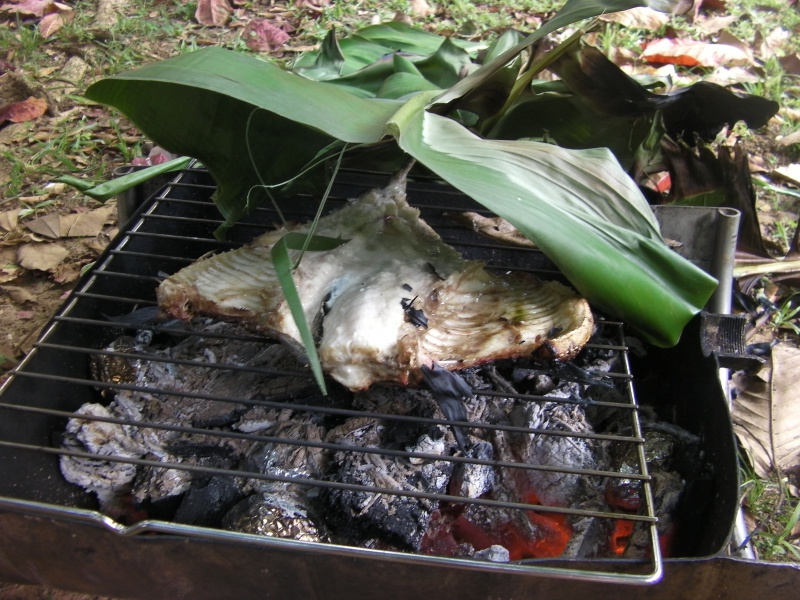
396	518
248	444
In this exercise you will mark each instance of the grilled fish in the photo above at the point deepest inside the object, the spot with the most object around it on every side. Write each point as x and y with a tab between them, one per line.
391	299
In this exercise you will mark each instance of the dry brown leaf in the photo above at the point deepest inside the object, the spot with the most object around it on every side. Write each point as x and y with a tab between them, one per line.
691	53
87	224
726	38
774	44
766	413
716	24
9	273
213	12
790	173
52	22
790	63
9	270
640	17
312	5
41	257
48	226
98	244
19	295
420	8
33	8
66	272
725	76
789	140
9	219
262	36
23	111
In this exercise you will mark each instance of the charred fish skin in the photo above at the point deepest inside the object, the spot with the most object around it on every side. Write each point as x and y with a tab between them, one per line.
392	298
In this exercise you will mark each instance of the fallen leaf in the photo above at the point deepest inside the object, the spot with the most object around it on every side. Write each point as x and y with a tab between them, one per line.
19	295
420	8
262	36
7	356
713	25
48	226
32	8
9	273
790	173
774	43
52	22
87	224
790	63
156	156
66	272
789	140
766	415
313	5
726	38
41	257
98	244
25	110
9	270
640	17
726	77
691	53
16	237
9	219
213	12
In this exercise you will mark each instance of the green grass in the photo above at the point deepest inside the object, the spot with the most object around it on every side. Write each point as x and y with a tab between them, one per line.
776	514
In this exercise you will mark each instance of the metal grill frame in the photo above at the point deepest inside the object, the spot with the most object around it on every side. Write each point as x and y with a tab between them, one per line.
185	204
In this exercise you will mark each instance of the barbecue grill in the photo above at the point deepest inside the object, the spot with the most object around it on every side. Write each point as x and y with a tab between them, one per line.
54	533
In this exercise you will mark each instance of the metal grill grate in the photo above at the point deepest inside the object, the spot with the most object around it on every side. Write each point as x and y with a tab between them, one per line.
174	229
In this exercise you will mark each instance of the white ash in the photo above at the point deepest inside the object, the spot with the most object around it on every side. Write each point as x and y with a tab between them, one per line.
130	441
281	499
399	519
473	480
494	553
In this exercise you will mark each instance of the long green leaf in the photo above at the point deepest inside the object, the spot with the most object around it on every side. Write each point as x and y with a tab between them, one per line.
109	189
201	105
370	45
556	196
282	260
572	12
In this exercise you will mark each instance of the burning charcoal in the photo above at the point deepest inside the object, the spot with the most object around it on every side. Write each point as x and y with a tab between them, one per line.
541	382
207	504
194	373
257	419
473	529
273	515
360	515
666	447
292	459
553	488
474	480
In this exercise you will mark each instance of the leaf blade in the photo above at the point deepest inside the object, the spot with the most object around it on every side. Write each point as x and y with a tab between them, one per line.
621	265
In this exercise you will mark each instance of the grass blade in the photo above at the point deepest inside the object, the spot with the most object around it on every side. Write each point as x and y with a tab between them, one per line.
282	260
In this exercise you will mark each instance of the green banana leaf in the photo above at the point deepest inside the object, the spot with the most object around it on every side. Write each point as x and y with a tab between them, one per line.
578	206
572	12
257	127
251	123
370	45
